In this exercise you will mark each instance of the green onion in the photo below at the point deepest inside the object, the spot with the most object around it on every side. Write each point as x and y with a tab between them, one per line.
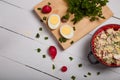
53	66
44	56
116	43
49	3
73	77
98	73
71	42
40	29
44	18
62	39
38	8
46	38
89	73
37	35
71	58
38	50
79	65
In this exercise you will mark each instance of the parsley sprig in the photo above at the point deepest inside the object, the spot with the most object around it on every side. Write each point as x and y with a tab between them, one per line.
83	8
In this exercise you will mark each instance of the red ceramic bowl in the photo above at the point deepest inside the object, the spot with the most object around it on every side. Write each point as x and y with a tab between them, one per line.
103	28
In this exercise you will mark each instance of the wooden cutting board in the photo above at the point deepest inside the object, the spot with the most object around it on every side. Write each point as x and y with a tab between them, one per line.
83	27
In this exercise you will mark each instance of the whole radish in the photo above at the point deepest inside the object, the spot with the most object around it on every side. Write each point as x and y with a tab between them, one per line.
46	9
52	51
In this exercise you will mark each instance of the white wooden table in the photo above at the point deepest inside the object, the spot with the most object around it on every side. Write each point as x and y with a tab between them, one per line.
19	59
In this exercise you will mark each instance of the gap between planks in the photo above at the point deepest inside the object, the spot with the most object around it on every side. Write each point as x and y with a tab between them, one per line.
118	18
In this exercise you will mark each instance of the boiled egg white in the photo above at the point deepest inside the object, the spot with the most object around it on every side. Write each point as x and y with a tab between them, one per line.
54	21
66	31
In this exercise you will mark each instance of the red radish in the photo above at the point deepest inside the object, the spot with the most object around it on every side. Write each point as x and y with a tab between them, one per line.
52	52
46	9
64	69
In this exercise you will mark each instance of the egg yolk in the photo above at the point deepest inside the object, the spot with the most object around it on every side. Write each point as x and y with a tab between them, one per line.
54	20
66	30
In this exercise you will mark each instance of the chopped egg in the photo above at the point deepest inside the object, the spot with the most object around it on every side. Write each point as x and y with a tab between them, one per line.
107	46
66	31
53	21
117	56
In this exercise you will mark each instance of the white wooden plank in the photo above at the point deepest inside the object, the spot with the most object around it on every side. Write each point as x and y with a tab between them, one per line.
13	71
29	4
18	19
80	72
25	4
27	27
81	48
114	6
23	22
23	50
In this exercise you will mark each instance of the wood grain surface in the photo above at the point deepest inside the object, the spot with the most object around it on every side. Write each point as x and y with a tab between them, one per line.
83	27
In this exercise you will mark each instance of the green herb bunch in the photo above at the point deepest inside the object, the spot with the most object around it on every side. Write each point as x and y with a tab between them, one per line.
83	8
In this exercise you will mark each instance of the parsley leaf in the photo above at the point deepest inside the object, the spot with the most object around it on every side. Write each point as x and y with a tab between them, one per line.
85	8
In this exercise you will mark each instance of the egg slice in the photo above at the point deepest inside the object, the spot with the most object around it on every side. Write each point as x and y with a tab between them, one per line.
66	31
53	21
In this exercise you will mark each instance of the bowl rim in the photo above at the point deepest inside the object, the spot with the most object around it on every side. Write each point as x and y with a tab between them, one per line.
99	30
